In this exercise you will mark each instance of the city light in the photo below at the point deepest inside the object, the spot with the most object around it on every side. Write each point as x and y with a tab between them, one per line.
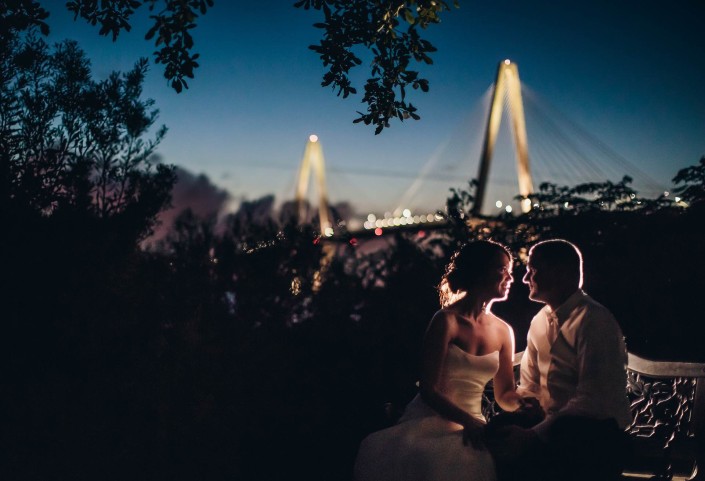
377	224
508	209
526	205
498	204
354	224
313	138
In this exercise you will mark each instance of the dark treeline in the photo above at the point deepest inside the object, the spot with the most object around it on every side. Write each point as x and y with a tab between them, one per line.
255	351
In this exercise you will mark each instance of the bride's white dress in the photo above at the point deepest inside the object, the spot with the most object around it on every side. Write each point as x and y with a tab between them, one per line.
423	446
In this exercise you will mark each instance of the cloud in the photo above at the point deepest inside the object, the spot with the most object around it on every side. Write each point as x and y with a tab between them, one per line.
191	191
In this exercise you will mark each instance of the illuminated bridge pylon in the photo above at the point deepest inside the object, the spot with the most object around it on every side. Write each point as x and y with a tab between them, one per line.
507	85
313	160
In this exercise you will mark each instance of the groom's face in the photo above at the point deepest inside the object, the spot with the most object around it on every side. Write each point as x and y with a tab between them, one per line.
540	279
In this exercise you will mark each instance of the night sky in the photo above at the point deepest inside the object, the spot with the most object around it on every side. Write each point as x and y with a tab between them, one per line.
631	73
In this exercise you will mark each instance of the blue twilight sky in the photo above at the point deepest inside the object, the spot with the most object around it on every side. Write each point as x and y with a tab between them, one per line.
631	73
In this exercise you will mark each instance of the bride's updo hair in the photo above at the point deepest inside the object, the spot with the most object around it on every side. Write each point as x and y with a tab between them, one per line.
469	266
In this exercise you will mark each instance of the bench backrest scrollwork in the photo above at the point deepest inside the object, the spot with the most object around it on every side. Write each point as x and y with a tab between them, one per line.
668	414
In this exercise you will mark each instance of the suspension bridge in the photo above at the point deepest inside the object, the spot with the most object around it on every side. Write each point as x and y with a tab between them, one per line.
571	156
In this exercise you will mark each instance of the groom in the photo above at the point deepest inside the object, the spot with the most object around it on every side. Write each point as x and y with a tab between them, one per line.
574	367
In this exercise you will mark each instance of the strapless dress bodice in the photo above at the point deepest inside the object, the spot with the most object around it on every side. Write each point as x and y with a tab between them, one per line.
464	378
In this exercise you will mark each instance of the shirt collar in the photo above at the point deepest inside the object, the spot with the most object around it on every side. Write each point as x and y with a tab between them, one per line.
564	310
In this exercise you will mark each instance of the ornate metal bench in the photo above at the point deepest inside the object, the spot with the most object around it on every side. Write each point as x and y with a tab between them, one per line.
668	418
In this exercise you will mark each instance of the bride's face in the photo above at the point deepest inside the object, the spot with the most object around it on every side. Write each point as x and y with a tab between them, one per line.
499	277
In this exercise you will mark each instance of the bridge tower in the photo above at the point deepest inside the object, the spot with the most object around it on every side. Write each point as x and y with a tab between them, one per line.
507	85
313	159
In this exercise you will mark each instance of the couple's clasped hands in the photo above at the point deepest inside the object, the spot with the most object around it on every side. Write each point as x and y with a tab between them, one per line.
508	432
512	437
531	411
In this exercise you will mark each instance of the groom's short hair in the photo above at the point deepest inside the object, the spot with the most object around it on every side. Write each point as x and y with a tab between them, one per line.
561	256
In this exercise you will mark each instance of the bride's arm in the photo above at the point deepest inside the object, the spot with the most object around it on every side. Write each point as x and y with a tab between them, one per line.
504	385
440	333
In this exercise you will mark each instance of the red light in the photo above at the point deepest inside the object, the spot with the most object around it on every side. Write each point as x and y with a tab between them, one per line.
353	242
378	231
421	234
316	240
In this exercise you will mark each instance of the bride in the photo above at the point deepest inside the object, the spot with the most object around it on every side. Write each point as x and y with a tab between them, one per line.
440	435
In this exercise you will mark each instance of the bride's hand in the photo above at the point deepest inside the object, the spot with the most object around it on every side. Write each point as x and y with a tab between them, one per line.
530	406
473	434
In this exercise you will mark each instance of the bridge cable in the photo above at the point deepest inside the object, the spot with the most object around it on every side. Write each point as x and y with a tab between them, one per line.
566	141
600	146
561	149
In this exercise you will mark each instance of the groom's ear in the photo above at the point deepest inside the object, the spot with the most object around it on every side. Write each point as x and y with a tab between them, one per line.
567	276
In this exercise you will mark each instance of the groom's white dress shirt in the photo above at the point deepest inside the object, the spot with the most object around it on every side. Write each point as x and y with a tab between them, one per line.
575	363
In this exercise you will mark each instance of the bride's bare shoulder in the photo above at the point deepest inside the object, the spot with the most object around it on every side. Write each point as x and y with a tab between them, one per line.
444	315
500	323
444	318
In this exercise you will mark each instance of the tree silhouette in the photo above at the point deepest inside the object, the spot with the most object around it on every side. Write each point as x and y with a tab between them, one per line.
692	179
389	30
170	30
78	191
70	143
